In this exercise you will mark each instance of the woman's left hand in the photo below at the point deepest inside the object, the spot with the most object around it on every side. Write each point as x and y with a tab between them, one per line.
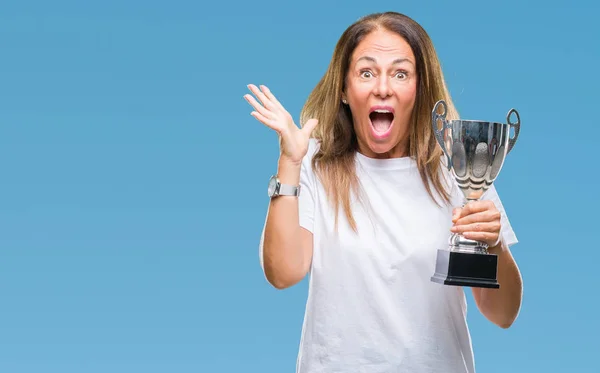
478	220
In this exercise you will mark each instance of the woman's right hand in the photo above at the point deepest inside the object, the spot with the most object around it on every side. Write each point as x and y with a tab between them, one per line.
293	141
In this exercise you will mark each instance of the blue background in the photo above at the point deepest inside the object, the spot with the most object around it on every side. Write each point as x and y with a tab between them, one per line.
133	178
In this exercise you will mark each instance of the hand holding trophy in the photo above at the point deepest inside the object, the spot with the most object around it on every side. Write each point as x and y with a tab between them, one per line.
475	152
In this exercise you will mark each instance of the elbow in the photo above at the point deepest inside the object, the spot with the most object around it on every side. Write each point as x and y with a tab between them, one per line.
503	318
505	324
507	321
281	281
284	267
283	274
281	285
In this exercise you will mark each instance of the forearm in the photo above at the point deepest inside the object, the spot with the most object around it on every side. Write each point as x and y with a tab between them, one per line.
501	306
284	259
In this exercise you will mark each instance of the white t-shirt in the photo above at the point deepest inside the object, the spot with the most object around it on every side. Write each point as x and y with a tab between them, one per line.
371	305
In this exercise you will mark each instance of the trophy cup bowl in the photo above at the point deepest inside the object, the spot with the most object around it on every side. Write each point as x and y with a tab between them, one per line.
475	152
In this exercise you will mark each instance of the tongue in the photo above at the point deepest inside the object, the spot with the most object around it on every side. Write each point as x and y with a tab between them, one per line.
381	121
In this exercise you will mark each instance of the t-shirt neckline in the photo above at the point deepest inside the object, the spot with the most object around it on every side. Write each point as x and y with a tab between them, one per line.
387	163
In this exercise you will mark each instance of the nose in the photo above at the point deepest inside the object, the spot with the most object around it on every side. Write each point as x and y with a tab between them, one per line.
382	88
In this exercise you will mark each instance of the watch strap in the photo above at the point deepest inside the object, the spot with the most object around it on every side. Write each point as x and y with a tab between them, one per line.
288	190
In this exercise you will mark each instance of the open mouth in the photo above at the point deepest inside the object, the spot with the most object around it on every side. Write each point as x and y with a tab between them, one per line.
381	119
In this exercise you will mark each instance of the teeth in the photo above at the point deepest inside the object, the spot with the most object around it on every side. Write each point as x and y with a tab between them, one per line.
382	111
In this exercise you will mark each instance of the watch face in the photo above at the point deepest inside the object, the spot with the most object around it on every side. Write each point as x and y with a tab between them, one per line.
272	186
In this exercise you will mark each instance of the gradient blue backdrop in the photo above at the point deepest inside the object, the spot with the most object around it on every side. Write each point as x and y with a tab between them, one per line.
133	179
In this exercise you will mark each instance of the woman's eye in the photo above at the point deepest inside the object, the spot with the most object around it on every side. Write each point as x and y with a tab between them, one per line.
366	74
401	75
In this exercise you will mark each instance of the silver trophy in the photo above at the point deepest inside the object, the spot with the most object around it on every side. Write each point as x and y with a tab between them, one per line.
475	152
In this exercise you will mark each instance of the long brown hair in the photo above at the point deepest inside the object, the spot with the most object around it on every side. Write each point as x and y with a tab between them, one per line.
334	160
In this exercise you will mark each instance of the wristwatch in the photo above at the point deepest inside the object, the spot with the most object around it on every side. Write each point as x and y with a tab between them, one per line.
278	189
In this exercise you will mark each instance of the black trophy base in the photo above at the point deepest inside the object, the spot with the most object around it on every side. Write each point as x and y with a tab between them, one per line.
466	269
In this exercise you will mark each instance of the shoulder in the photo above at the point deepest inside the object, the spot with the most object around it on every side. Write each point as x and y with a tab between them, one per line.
449	182
313	147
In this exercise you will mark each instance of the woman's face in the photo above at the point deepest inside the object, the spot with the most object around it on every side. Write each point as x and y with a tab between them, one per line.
381	87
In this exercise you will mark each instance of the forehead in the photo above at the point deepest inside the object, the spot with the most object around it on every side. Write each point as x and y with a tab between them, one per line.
384	46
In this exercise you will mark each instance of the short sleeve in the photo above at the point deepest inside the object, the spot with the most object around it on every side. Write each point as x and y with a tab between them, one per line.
306	199
507	231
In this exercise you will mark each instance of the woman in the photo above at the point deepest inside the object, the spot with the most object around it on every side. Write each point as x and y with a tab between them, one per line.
364	205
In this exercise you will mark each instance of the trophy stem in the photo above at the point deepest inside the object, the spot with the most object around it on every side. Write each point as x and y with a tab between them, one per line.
459	243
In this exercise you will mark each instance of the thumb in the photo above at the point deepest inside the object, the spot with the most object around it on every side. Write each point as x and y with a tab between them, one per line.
456	214
310	125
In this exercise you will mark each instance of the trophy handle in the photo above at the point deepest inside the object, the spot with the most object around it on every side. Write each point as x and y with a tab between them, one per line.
439	134
516	125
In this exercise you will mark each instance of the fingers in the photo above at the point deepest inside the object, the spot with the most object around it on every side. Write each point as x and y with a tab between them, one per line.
476	206
484	216
266	121
479	220
490	238
473	208
258	107
268	111
262	115
483	232
476	216
263	97
478	227
269	95
262	112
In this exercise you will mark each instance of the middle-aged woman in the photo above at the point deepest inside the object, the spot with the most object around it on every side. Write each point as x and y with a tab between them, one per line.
361	201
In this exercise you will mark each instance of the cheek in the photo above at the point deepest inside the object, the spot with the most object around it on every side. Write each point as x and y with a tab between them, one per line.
407	93
359	94
359	97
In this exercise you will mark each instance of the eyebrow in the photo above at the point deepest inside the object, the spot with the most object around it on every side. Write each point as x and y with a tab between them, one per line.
396	61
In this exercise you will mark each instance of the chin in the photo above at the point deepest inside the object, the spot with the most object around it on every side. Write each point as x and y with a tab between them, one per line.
382	145
388	146
382	150
379	148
